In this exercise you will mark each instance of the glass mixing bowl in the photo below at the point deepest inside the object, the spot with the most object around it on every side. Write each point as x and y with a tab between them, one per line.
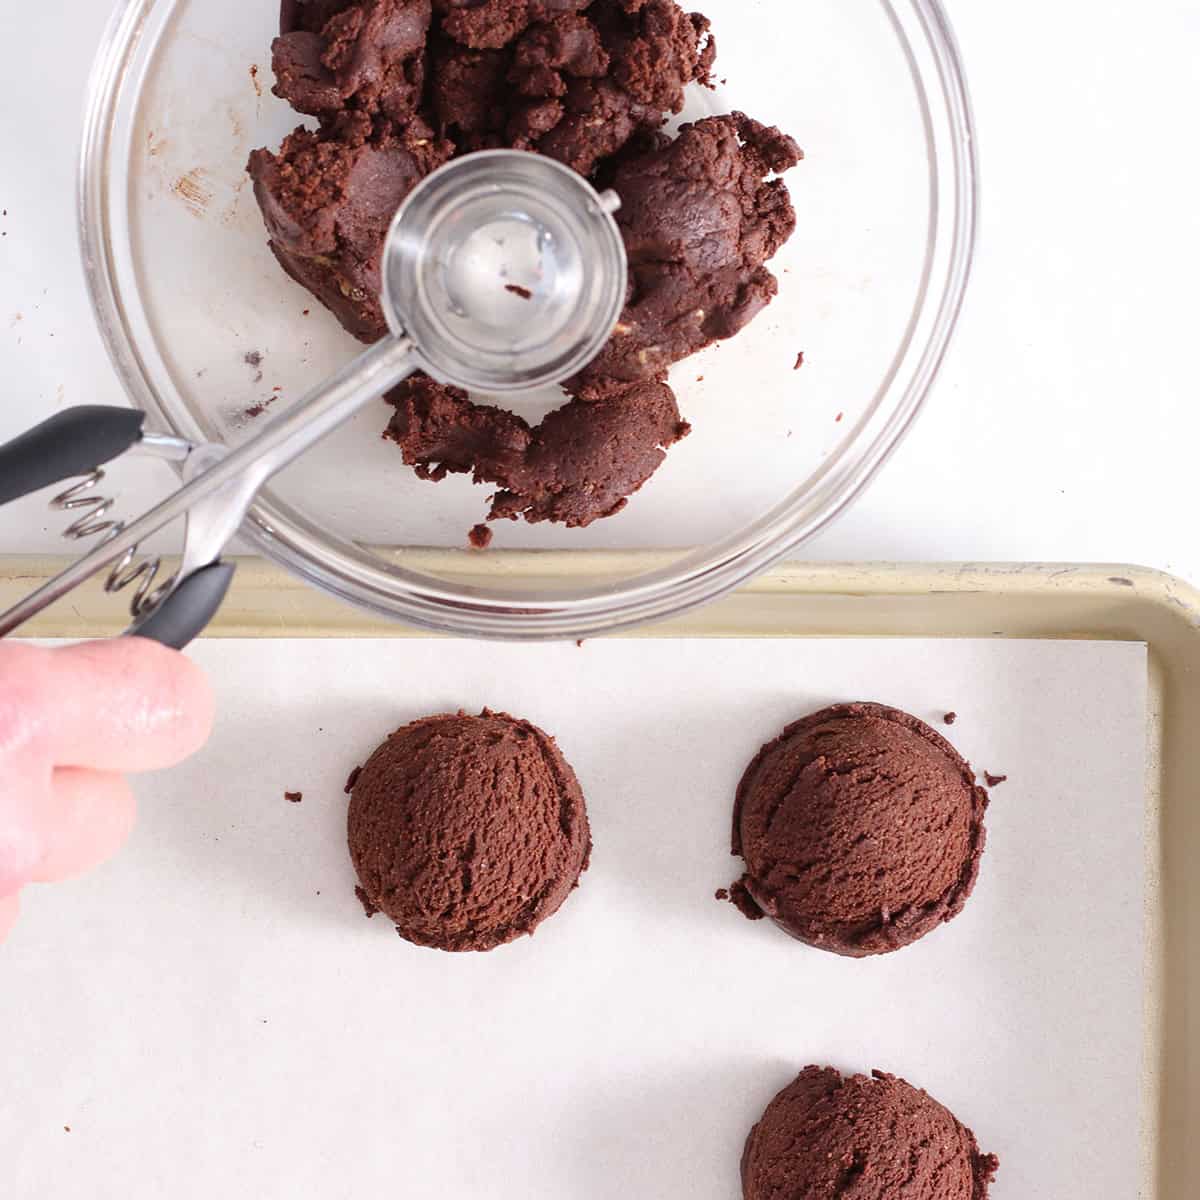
208	334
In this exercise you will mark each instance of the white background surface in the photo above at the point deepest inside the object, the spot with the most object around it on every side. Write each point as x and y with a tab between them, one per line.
1066	421
212	1015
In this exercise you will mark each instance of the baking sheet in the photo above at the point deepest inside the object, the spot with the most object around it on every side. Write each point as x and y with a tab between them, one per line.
205	1021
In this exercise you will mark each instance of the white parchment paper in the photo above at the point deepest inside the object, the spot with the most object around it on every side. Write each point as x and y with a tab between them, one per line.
212	1016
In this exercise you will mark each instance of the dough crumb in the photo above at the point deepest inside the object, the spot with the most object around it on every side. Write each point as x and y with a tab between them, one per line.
741	899
365	901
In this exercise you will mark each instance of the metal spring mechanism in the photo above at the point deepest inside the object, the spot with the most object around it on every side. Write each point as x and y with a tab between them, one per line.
93	521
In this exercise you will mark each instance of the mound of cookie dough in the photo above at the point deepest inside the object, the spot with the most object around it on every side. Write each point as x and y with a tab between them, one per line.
328	201
861	829
581	463
467	832
399	87
368	56
700	218
874	1137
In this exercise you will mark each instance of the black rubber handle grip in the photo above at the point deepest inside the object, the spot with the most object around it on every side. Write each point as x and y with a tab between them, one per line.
185	613
71	442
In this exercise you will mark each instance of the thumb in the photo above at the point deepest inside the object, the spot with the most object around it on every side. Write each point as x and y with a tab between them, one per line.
9	905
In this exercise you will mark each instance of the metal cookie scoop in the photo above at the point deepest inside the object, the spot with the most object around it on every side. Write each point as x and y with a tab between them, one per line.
503	271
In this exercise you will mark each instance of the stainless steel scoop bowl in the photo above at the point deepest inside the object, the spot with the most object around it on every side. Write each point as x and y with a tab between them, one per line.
506	270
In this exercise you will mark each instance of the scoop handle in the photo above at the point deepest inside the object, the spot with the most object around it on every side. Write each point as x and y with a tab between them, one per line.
186	612
248	466
72	442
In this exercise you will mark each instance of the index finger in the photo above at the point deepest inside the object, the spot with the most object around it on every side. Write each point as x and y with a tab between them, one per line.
126	704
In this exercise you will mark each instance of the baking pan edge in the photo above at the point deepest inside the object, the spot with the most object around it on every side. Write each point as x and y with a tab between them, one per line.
963	600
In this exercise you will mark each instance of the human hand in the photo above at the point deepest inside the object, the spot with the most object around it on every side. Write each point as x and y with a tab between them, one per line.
72	722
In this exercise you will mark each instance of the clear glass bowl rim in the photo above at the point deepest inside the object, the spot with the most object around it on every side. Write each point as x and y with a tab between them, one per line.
671	586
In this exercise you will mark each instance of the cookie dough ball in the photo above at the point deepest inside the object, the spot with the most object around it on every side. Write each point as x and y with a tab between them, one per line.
467	832
873	1137
861	829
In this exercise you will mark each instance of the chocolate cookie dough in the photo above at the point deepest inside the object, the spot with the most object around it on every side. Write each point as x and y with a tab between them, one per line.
581	463
874	1137
401	86
492	24
327	202
572	79
700	218
333	55
467	832
861	829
